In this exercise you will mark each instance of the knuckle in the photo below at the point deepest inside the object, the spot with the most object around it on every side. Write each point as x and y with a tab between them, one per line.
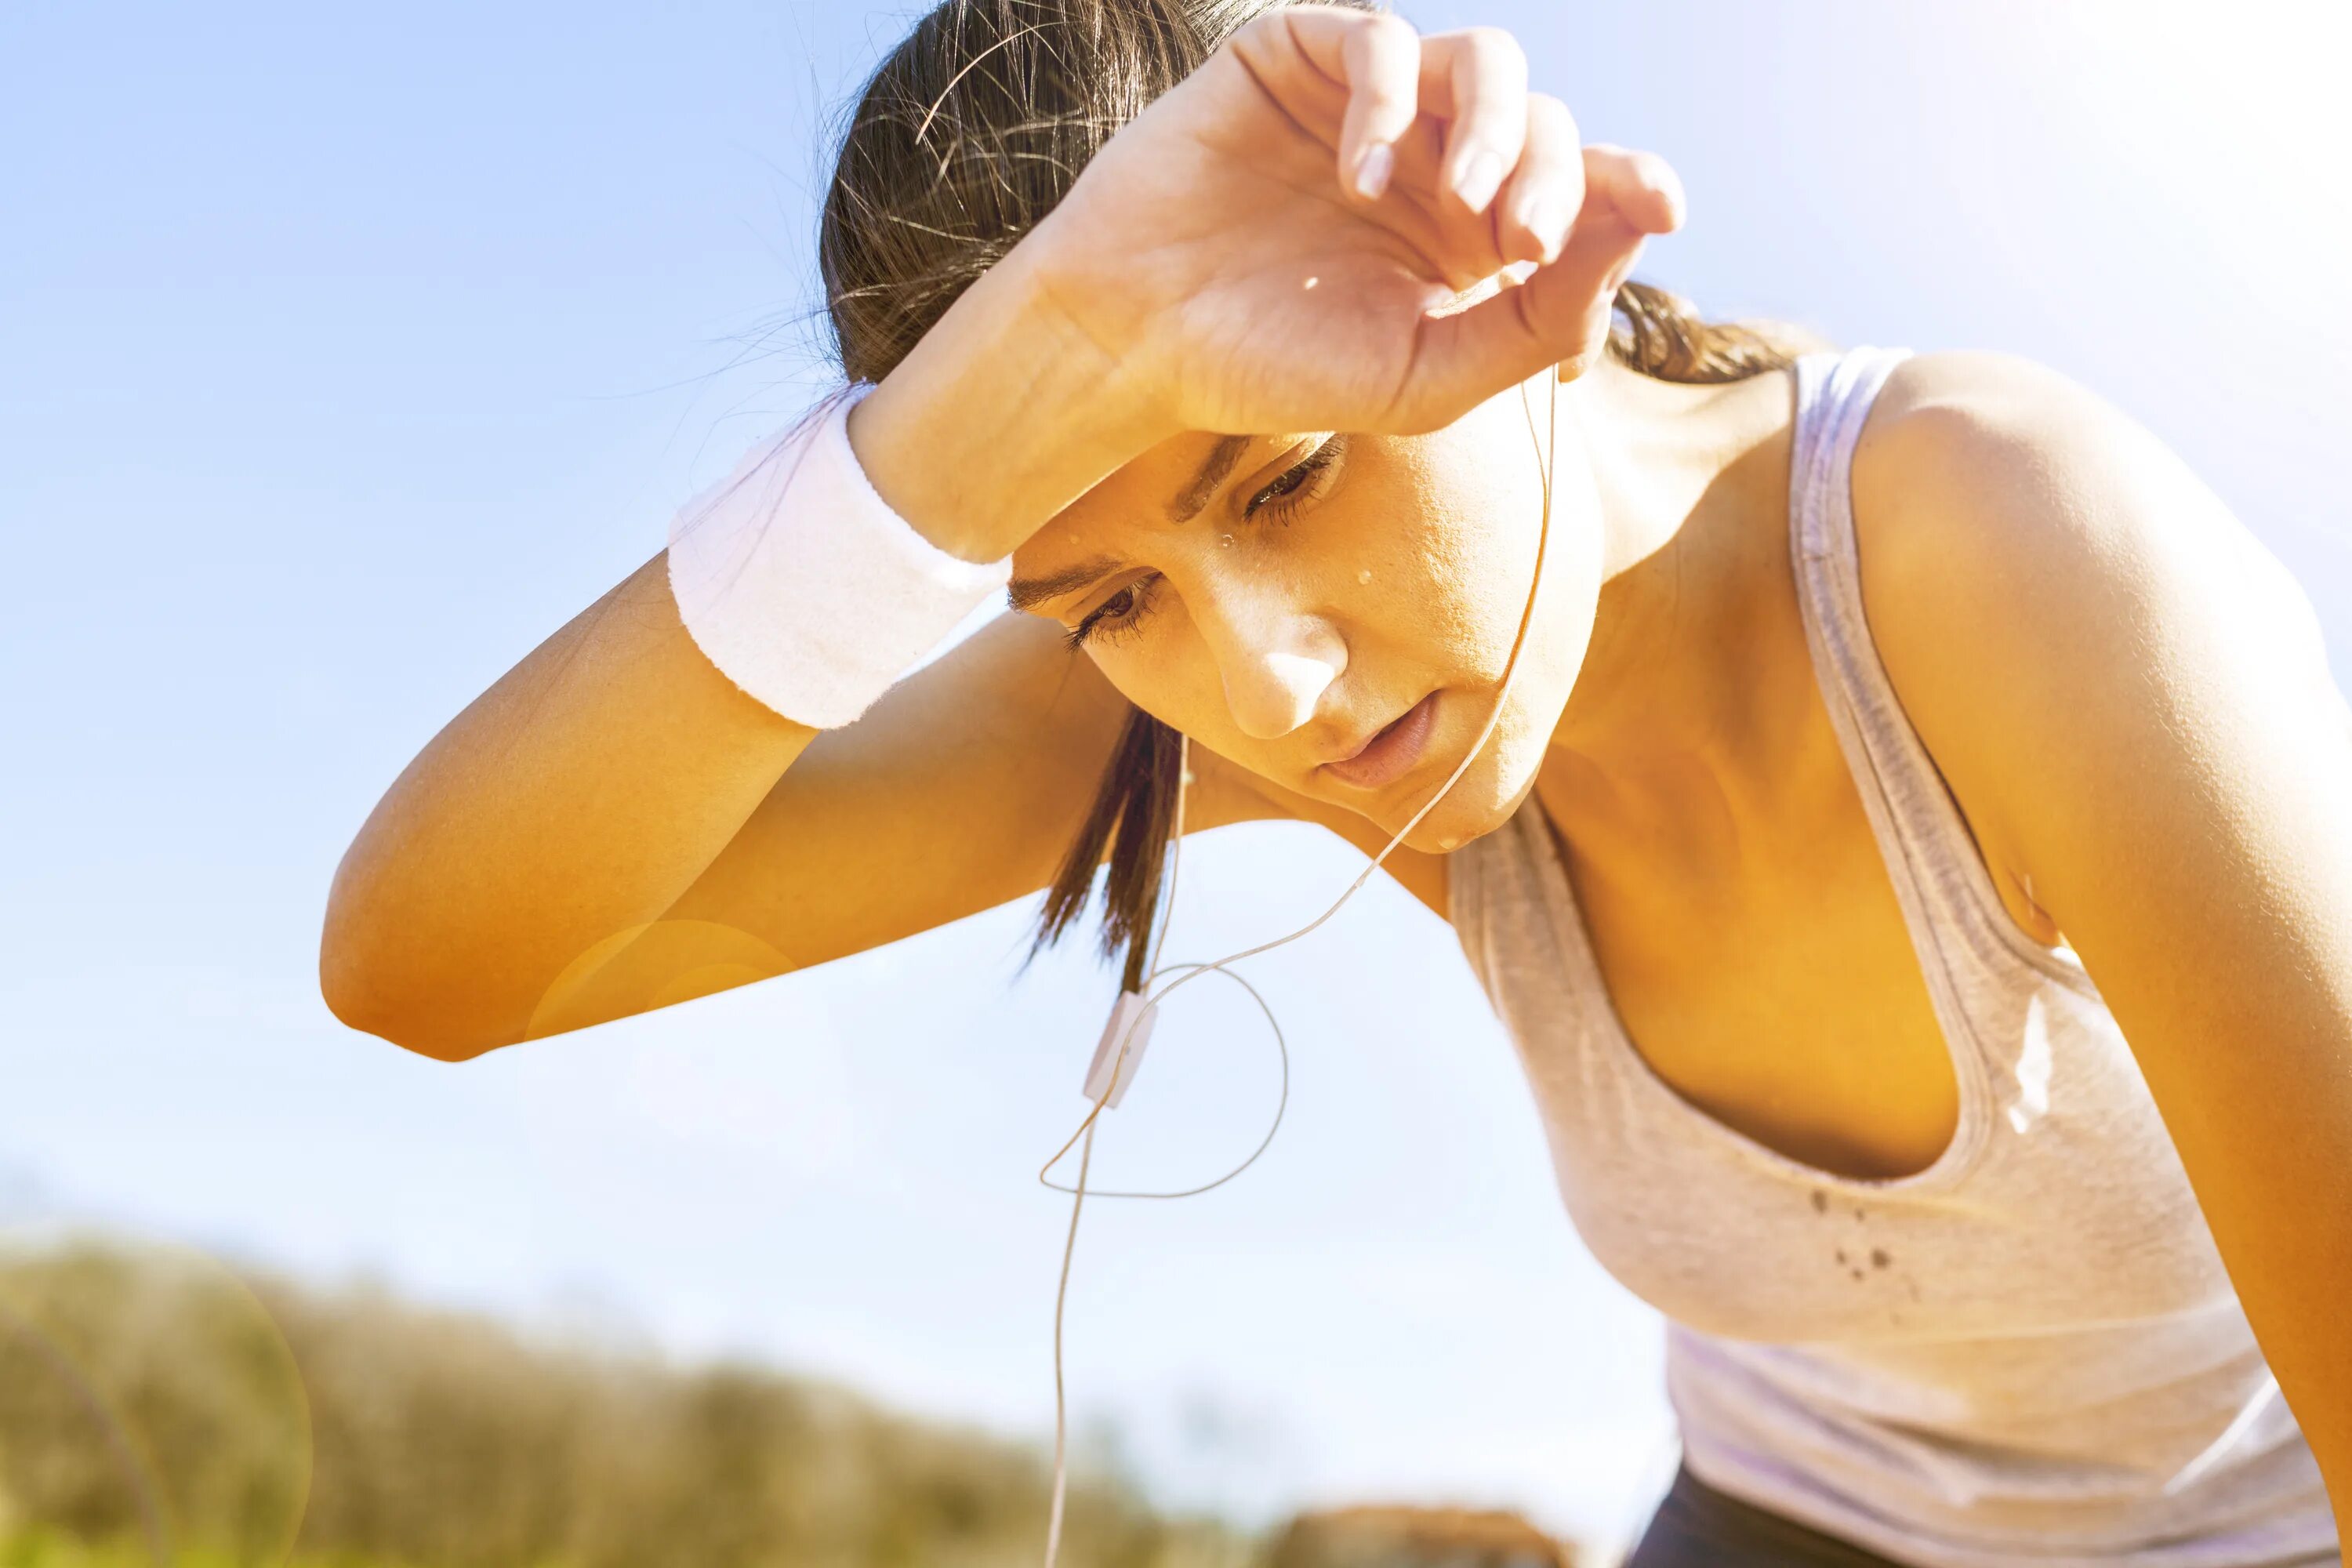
1257	41
1496	49
1385	30
1257	30
1547	113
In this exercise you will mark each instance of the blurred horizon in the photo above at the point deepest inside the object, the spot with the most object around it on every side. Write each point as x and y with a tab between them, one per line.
158	1407
348	354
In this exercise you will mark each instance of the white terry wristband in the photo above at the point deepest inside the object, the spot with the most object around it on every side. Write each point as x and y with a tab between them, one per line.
803	587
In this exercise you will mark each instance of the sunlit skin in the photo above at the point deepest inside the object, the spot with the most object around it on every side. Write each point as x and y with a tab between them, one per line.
2129	698
1333	582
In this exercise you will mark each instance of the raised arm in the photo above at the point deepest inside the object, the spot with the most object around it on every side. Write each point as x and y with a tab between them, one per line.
614	825
614	828
519	878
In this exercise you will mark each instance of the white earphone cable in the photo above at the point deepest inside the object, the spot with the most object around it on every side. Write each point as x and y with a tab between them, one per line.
1084	1136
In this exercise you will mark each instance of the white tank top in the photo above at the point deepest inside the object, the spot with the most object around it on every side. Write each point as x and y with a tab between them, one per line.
2026	1353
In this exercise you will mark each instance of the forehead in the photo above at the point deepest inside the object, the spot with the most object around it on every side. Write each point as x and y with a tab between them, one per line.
1165	487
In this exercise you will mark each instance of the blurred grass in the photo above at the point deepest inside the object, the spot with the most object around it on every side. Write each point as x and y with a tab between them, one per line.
51	1548
156	1407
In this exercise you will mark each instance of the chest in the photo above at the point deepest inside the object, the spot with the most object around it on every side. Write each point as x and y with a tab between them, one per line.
1670	1022
1780	994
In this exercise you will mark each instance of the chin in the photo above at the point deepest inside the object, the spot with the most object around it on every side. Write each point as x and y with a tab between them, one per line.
1487	797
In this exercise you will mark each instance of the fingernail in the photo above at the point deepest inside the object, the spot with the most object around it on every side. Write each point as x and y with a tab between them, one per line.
1374	164
1548	221
1481	177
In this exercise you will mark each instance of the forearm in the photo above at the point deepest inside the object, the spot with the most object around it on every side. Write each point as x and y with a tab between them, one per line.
572	803
569	804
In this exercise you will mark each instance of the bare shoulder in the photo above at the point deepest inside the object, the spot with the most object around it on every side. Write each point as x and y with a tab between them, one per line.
1998	499
2030	554
1985	428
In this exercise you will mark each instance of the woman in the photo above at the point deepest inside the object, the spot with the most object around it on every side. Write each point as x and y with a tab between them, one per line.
1910	853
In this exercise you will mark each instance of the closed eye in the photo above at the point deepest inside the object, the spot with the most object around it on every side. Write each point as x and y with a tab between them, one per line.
1279	500
1119	613
1301	482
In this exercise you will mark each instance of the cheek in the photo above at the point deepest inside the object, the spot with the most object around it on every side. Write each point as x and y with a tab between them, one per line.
1167	672
1485	484
1475	490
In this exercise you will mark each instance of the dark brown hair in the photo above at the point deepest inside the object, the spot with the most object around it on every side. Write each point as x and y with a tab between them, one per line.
966	136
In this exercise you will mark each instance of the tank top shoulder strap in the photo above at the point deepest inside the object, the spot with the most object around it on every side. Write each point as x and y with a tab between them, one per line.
1932	857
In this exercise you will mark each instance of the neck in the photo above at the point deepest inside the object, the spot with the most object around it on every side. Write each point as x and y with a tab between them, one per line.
1664	728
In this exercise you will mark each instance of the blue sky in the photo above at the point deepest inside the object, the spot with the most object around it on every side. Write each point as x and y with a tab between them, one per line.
345	353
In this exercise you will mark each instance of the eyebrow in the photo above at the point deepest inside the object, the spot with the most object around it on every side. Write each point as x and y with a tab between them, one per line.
1213	472
1027	594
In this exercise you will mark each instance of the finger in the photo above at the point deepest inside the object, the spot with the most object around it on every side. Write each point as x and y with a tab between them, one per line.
1462	360
1557	319
1546	191
1641	185
1380	58
1485	73
1568	304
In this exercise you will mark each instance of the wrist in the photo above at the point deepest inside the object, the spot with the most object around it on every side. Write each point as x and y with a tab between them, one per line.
799	582
1001	416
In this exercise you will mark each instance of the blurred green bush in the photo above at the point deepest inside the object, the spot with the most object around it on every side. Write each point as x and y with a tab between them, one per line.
150	1411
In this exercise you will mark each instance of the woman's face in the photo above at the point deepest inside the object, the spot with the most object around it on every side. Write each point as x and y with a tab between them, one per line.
1334	613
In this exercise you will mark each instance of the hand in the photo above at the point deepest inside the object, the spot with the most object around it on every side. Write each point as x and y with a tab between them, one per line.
1262	249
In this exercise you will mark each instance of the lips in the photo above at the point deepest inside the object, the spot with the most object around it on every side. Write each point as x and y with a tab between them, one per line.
1391	754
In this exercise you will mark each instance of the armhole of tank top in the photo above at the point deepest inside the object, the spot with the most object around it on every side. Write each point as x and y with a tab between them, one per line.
1984	902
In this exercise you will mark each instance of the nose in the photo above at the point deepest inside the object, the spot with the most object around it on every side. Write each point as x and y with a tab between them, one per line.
1275	660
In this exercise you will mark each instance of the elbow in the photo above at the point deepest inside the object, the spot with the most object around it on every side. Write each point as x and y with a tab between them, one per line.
366	1008
367	991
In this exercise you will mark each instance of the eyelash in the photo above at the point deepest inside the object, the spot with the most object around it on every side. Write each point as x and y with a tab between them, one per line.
1280	499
